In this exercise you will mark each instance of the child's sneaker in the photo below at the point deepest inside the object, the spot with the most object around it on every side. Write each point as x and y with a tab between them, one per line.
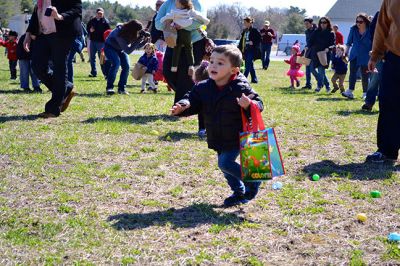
348	94
124	92
110	91
235	199
298	83
152	89
142	91
335	90
328	89
317	89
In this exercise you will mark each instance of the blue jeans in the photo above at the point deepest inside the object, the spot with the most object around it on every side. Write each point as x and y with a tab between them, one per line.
77	46
25	70
95	48
353	75
265	53
373	86
310	70
117	59
231	170
320	76
249	65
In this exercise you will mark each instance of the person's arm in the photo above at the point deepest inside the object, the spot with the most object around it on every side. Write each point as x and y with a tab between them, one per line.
199	8
350	40
199	17
273	34
190	104
74	12
161	13
33	26
139	43
88	26
381	33
332	40
248	91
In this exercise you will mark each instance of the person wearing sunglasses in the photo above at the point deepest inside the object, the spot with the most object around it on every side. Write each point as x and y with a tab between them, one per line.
360	42
386	45
321	40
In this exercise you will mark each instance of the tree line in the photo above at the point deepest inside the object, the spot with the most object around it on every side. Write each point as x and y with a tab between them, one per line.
226	19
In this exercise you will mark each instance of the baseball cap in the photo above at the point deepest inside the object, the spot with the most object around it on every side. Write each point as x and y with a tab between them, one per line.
266	23
100	9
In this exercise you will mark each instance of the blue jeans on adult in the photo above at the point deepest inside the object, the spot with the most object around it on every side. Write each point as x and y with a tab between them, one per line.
373	86
249	65
231	170
310	70
77	46
319	73
25	70
95	48
353	75
265	54
117	59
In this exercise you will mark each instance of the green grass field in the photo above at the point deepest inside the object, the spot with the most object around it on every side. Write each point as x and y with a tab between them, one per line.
116	180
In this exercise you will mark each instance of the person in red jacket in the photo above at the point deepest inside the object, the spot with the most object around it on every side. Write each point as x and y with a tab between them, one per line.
11	45
339	36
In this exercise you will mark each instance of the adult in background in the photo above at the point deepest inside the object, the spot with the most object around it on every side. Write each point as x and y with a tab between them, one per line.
249	45
360	42
267	36
387	44
119	44
310	28
53	38
76	48
339	39
321	40
180	81
157	36
96	28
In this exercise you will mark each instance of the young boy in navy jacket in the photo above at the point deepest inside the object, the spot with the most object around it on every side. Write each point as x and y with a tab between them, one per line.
220	99
339	64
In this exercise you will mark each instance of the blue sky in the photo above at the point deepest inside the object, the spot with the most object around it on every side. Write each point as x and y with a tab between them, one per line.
313	7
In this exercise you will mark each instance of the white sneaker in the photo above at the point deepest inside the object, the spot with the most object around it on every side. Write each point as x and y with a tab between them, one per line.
317	89
110	91
328	90
348	94
364	95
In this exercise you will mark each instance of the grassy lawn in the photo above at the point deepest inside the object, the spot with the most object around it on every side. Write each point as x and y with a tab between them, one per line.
116	180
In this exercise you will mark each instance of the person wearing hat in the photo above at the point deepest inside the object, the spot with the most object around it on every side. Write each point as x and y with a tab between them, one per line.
267	36
11	45
96	28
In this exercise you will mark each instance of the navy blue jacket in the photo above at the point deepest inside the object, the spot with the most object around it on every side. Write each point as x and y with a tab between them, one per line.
339	65
150	62
222	113
120	44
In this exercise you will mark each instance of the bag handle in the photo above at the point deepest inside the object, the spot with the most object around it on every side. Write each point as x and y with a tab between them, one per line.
256	120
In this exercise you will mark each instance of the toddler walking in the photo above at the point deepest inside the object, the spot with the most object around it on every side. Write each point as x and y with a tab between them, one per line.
294	72
149	60
11	45
339	64
183	17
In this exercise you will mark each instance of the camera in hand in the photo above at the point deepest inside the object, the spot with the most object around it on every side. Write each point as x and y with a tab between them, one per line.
144	34
48	11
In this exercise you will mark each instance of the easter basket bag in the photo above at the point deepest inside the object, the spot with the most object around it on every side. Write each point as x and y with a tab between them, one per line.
138	71
260	157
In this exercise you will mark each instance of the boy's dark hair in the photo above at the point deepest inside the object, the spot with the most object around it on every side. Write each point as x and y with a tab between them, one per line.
129	30
308	20
13	33
187	4
232	52
201	72
249	19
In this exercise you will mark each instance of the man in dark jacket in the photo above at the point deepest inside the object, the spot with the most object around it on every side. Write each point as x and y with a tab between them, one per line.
96	28
310	28
53	29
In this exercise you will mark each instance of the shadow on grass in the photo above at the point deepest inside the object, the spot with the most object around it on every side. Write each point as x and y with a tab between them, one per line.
93	95
287	90
356	112
134	119
13	92
332	99
4	119
177	136
187	217
356	171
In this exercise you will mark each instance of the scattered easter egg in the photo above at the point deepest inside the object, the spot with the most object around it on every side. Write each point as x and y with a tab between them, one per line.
395	237
375	194
315	177
155	132
168	138
362	217
277	185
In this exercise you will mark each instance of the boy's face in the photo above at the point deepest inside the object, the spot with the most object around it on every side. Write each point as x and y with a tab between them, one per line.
148	50
11	38
220	67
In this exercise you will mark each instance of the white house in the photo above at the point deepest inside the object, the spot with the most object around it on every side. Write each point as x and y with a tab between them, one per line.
344	12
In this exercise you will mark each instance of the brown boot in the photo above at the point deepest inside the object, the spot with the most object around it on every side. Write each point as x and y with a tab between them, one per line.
67	100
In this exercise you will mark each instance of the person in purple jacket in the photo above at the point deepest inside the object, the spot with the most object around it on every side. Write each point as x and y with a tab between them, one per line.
122	41
149	60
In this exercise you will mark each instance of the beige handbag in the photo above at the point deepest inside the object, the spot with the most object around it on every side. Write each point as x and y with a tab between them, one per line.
322	57
303	60
138	71
170	35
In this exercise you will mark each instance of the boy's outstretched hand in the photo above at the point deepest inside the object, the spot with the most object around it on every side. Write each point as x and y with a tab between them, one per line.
178	108
245	101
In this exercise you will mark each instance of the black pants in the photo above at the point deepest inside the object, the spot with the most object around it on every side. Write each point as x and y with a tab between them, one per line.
180	81
13	68
55	49
389	107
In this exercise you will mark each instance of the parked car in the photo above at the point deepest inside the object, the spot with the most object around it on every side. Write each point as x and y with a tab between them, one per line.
225	41
287	40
